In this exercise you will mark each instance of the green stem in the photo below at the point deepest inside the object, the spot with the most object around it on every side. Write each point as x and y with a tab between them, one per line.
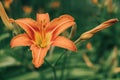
53	69
63	66
60	57
77	41
54	72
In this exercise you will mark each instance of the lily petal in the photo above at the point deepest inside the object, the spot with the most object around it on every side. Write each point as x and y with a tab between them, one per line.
28	25
67	16
21	40
38	55
63	42
44	18
62	28
57	22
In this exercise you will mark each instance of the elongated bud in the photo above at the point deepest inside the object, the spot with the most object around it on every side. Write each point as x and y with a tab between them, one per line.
90	33
109	5
117	70
55	4
87	60
73	30
103	25
112	61
7	3
86	36
5	18
89	46
115	53
27	9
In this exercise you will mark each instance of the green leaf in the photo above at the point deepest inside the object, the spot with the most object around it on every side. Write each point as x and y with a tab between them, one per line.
27	76
4	36
6	61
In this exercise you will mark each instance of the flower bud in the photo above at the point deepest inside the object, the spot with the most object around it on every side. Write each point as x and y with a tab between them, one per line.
86	36
5	18
89	34
89	46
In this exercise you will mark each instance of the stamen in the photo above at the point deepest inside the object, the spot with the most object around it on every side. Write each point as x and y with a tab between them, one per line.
42	39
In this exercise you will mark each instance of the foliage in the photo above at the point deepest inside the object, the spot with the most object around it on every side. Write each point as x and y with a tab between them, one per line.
96	59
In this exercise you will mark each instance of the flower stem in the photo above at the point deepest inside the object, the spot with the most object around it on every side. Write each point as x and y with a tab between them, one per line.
54	72
53	69
77	41
63	67
60	57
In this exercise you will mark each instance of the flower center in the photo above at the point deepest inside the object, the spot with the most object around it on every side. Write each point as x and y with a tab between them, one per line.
42	39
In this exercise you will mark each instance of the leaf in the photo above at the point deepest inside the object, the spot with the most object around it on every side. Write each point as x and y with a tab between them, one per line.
4	36
27	76
6	61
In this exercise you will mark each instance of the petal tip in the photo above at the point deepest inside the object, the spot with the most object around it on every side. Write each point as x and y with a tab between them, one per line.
75	49
11	44
37	65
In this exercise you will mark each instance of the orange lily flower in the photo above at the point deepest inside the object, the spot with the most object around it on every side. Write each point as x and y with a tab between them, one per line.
41	34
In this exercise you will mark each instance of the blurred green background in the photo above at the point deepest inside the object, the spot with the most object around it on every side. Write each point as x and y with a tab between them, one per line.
96	59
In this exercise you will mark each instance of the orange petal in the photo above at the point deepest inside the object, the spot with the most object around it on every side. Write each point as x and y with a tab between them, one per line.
50	26
55	23
67	16
44	18
62	28
38	55
63	42
28	25
29	21
21	40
